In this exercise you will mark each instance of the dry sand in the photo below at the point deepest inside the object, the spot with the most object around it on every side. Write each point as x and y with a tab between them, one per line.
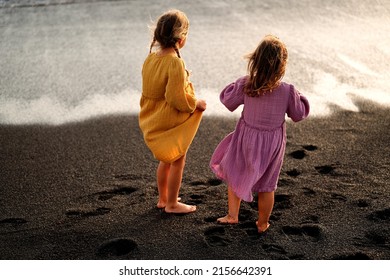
87	191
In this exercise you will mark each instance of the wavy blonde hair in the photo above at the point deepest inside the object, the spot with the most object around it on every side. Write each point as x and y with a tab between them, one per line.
171	26
266	66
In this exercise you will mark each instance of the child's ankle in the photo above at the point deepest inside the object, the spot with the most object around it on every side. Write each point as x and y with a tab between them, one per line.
261	227
232	218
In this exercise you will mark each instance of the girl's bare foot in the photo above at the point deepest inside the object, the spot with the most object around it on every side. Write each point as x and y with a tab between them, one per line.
227	220
180	208
262	229
162	204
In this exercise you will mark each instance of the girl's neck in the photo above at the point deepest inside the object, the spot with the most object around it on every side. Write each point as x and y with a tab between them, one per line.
166	51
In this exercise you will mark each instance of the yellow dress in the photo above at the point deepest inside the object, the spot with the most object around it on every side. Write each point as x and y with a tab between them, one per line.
168	117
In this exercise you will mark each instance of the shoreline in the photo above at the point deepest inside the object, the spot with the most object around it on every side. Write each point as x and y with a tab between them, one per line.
87	191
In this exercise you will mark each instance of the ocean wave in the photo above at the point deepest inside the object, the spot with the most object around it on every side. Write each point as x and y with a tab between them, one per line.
64	64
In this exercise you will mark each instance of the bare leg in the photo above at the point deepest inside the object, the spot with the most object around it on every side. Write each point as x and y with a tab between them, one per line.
234	203
265	205
162	183
174	184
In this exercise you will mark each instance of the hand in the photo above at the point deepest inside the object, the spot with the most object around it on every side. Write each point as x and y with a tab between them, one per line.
201	104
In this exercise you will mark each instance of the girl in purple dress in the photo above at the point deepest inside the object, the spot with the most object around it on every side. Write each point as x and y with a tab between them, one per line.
250	158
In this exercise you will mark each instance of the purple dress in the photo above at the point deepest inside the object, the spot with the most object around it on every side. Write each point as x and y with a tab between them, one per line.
250	158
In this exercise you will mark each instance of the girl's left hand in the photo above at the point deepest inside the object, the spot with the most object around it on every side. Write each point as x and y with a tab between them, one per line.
201	104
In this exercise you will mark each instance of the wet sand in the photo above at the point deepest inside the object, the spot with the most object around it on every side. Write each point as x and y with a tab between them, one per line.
87	190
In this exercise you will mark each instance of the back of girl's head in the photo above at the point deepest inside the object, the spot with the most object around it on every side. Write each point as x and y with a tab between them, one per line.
170	28
266	66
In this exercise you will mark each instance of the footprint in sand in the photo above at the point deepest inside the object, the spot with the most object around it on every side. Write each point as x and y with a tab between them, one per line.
196	199
337	196
273	248
293	173
377	237
307	232
283	201
210	182
215	236
301	154
311	219
285	182
202	186
298	154
13	221
309	191
325	169
214	182
117	247
250	229
80	213
211	219
310	147
120	191
130	177
380	215
362	203
275	216
246	215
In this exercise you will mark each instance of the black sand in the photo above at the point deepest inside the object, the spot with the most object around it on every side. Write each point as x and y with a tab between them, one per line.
87	191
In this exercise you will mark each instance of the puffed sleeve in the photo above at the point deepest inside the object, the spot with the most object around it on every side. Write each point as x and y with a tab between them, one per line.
232	95
298	105
179	92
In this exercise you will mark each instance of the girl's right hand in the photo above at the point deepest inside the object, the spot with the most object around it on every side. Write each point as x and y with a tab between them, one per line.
201	104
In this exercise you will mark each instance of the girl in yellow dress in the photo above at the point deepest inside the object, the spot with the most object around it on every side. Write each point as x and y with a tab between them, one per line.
170	113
